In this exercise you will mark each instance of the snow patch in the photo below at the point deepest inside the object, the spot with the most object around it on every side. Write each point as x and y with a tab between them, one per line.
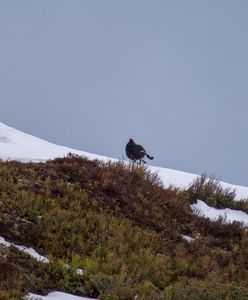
228	215
33	253
187	238
55	296
29	251
4	242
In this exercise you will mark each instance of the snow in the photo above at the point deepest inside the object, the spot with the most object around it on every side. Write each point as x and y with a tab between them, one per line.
187	238
228	215
55	296
33	253
29	251
3	242
183	180
16	145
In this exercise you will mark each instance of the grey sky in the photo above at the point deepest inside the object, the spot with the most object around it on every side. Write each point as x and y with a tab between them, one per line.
172	74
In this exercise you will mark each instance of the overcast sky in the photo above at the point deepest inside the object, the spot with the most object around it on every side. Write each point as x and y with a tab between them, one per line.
171	74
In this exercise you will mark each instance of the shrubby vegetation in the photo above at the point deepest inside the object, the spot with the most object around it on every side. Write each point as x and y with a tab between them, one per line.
122	227
209	189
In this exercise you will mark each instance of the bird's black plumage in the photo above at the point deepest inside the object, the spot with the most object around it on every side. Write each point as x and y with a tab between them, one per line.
136	152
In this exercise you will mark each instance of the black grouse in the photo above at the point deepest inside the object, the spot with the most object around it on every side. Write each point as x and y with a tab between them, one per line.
136	152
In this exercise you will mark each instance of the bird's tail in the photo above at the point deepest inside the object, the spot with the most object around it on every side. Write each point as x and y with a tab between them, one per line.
150	157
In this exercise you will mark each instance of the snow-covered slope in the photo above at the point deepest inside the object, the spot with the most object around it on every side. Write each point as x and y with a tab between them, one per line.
16	145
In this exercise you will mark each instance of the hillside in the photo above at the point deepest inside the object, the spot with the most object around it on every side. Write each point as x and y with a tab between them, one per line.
112	230
121	227
16	145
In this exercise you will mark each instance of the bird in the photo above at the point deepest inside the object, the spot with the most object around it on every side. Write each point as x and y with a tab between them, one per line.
136	152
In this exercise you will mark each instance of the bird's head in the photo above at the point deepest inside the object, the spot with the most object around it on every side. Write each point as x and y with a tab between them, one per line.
131	141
